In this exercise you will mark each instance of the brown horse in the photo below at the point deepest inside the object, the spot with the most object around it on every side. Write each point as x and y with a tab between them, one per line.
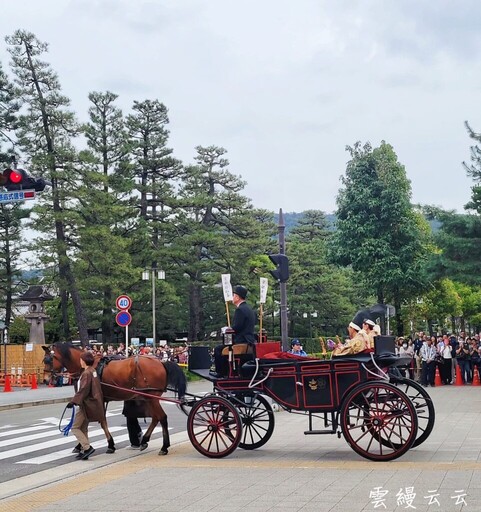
127	379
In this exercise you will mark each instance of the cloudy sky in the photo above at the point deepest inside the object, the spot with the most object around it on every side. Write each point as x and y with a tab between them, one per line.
283	85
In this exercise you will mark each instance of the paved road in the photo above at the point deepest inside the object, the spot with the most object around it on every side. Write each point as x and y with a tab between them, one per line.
30	440
292	472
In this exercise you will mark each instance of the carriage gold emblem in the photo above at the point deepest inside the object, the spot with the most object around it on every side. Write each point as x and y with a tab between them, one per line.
315	384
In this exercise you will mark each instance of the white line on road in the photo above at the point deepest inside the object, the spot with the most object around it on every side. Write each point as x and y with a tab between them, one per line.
51	457
49	444
24	430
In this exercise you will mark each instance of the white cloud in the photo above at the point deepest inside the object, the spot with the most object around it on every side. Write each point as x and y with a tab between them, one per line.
284	86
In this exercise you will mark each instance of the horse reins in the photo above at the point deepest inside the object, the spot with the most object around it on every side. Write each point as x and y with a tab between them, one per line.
136	392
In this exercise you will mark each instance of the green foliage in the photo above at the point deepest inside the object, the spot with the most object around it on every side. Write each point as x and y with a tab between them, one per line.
459	241
322	297
379	233
19	331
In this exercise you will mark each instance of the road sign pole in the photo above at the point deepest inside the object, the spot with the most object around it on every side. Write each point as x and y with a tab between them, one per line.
126	340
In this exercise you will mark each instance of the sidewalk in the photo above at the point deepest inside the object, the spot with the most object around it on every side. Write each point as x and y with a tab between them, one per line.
26	397
292	472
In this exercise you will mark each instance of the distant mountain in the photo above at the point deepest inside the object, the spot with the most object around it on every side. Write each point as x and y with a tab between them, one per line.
291	219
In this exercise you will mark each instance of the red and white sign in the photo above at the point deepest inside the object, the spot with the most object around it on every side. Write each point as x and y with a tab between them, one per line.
123	302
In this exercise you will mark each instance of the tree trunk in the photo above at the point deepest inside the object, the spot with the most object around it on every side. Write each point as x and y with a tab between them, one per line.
399	321
9	284
106	324
195	311
65	271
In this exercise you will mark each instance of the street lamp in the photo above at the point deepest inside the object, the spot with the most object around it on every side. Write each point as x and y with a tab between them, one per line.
146	275
310	315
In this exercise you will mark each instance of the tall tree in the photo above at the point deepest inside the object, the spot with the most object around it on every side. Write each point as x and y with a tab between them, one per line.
317	287
11	215
8	109
106	217
379	233
218	231
11	249
156	172
45	130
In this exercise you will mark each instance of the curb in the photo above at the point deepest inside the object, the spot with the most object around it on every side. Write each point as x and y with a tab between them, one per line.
22	405
24	485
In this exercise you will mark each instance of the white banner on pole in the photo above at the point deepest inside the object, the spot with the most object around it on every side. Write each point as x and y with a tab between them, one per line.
263	294
227	287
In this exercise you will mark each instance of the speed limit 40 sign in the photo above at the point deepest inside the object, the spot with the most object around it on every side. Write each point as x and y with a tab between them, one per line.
123	302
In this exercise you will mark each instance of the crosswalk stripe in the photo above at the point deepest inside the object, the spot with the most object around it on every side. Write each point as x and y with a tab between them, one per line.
14	431
51	457
32	437
54	421
49	444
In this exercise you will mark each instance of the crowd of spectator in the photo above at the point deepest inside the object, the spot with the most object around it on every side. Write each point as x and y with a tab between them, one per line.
446	352
178	354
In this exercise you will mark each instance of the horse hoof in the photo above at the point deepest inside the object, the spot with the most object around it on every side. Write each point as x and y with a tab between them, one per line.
163	452
110	450
143	446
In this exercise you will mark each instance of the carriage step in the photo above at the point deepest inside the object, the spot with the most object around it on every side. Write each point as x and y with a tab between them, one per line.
314	432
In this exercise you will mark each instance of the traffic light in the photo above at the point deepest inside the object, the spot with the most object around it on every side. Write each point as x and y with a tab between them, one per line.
282	263
18	179
12	179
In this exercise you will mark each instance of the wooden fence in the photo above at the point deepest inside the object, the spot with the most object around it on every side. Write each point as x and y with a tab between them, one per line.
19	360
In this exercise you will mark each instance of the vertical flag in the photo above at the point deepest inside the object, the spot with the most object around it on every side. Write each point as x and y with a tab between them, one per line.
262	300
263	283
227	289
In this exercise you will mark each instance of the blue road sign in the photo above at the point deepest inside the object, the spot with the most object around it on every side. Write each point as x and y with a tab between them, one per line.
123	318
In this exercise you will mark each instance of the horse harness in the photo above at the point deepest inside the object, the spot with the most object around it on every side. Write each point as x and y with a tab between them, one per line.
104	361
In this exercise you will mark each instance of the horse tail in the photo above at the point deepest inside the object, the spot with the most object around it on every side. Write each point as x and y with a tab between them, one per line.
176	378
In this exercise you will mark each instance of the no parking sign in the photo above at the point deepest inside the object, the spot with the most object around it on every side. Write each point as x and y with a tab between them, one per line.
123	318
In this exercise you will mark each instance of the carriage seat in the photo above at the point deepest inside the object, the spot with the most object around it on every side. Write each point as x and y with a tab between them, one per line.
239	349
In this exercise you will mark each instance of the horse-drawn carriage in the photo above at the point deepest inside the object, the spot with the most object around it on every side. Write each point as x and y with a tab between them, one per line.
380	413
363	398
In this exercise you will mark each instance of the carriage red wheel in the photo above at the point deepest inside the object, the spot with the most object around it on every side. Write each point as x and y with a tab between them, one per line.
214	427
378	421
257	419
423	404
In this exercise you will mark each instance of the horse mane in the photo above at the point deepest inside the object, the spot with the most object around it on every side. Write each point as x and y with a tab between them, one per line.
65	350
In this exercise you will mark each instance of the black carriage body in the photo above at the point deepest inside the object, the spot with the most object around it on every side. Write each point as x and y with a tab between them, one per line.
315	386
303	385
297	383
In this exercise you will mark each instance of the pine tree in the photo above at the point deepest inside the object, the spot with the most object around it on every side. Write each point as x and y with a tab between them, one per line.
45	130
219	231
106	216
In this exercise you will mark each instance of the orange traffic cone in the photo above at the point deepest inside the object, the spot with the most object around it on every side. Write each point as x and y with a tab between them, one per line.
476	381
8	385
437	378
34	381
459	379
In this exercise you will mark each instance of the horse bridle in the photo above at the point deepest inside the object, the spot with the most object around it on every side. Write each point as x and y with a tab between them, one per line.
54	373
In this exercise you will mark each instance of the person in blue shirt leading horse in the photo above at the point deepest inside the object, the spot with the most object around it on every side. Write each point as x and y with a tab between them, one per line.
296	348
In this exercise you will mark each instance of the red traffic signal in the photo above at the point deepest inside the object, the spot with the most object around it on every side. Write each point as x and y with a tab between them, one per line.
18	179
282	263
11	179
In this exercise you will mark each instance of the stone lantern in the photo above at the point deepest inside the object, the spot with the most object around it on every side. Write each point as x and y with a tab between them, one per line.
36	317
